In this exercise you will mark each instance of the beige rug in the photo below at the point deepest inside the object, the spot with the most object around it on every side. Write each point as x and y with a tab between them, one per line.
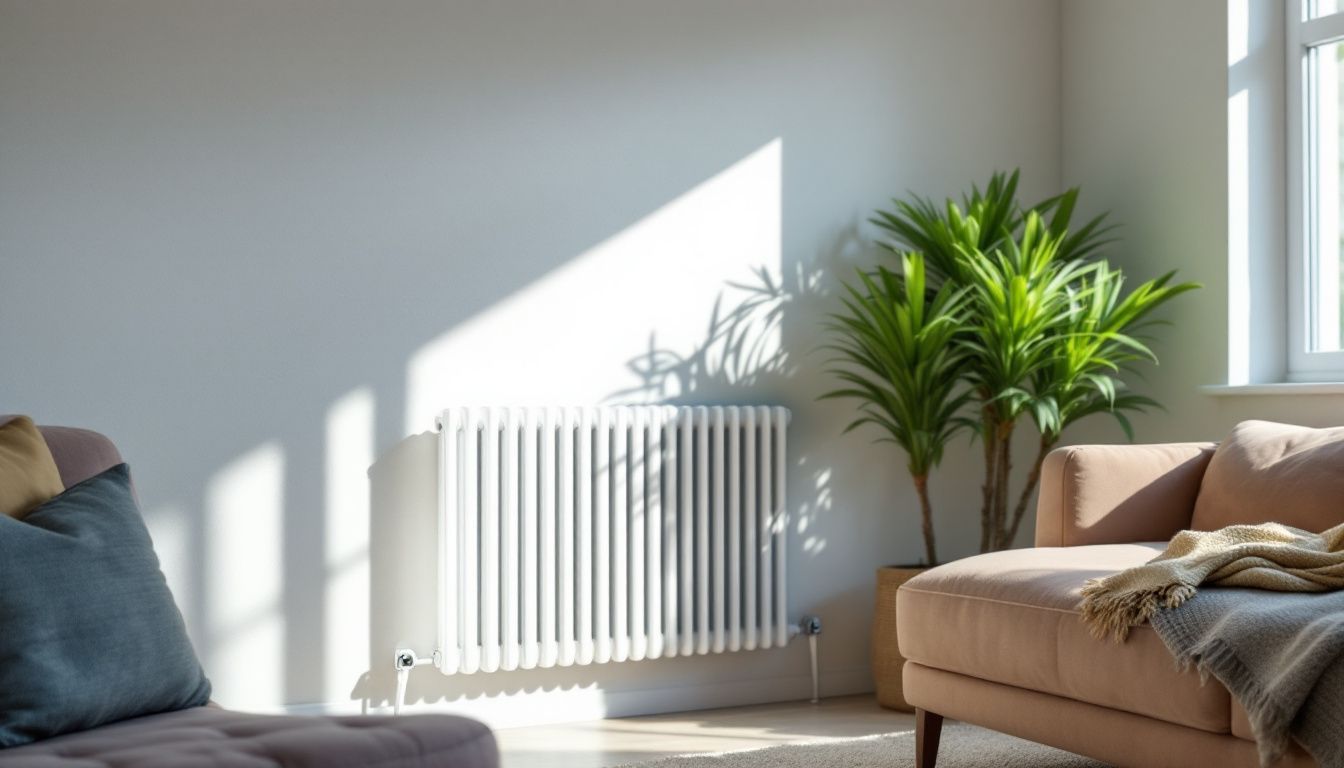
963	746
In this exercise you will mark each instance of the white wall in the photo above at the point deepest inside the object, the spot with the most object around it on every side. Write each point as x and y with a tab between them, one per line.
260	243
1148	92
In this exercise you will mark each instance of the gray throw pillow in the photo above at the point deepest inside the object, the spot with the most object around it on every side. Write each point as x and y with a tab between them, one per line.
89	633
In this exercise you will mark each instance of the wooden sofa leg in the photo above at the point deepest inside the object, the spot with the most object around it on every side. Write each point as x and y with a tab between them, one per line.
928	727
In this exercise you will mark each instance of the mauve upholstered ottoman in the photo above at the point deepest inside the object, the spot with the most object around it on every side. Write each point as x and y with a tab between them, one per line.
208	736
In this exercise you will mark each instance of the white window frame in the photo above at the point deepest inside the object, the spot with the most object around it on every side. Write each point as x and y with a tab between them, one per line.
1303	36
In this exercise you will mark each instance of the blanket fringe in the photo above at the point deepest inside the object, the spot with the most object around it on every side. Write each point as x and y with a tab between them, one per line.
1111	612
1268	718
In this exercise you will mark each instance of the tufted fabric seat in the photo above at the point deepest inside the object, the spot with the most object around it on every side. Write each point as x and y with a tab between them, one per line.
209	736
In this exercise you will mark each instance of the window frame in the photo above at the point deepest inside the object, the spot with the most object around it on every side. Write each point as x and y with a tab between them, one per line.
1304	36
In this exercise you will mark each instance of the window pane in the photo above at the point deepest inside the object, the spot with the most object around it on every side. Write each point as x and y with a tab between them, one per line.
1327	134
1317	8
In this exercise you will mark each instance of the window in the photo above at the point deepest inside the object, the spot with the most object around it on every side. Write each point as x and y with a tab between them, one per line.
1315	101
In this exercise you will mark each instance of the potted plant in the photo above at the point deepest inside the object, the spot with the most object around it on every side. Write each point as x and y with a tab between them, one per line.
1057	348
999	314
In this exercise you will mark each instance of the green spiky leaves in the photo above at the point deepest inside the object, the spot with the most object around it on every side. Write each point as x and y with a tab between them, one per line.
894	353
999	312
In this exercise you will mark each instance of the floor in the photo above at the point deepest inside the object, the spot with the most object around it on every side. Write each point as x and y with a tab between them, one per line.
602	743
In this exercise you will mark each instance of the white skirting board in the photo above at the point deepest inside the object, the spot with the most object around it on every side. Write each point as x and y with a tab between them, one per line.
577	704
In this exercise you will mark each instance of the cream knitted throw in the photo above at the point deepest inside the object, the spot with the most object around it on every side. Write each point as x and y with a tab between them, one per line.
1266	556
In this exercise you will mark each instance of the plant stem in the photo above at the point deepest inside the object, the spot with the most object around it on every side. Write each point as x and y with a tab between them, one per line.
1033	479
926	519
987	437
1003	467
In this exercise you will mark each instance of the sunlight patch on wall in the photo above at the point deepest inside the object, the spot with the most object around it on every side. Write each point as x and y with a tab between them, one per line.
1238	239
1238	30
570	336
245	504
171	533
350	425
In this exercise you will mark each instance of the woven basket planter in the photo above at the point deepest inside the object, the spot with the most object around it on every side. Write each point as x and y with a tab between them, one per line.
887	658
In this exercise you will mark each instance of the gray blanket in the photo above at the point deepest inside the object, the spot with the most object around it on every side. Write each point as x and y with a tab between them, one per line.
1280	654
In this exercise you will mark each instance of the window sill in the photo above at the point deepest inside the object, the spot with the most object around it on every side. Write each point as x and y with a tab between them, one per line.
1285	389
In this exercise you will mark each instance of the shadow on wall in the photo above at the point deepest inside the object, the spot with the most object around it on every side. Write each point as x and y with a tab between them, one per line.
754	345
750	352
742	346
291	591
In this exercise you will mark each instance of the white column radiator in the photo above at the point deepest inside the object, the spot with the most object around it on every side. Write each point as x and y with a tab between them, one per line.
593	535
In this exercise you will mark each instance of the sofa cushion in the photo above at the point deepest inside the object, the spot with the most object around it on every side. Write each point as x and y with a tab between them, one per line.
89	633
1012	617
28	474
1267	472
207	736
79	453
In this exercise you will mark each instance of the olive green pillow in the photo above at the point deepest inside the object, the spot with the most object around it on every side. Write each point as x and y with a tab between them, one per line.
28	474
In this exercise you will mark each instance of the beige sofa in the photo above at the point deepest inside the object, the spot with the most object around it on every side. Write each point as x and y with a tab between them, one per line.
996	639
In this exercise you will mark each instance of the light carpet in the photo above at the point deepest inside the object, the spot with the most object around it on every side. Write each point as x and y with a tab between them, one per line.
963	746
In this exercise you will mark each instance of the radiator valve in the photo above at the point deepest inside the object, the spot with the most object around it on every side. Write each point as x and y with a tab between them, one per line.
810	625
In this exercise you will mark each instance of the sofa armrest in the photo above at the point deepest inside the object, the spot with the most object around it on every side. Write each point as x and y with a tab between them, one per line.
1116	494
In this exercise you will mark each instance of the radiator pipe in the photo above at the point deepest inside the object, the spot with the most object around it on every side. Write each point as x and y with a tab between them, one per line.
811	626
404	660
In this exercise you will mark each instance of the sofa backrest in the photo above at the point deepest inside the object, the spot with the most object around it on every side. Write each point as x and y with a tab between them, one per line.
80	453
1267	472
1111	494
